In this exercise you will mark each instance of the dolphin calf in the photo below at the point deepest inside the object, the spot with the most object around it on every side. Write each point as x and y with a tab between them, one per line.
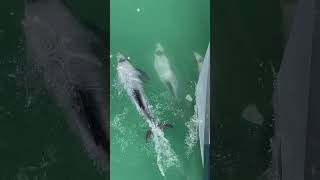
132	80
163	68
199	60
65	53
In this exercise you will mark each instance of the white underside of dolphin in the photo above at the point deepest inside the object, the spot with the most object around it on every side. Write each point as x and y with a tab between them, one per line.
163	68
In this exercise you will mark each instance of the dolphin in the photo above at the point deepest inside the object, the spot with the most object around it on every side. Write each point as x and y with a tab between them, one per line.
132	79
163	68
199	60
64	51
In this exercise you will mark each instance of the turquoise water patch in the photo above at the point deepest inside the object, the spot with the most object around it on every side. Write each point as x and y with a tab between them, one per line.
181	27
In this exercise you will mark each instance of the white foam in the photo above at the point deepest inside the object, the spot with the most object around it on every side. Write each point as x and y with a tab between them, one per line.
192	136
122	133
166	157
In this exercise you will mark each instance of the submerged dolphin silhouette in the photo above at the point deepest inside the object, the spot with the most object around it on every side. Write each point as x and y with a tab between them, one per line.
163	68
132	79
62	49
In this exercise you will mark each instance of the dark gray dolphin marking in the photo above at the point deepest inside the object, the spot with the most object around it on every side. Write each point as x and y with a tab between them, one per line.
137	97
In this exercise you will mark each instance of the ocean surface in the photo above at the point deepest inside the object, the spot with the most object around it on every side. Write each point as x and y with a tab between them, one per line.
181	27
35	141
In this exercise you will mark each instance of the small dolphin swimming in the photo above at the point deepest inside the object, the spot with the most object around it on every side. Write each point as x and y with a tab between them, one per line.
163	68
199	60
65	52
132	80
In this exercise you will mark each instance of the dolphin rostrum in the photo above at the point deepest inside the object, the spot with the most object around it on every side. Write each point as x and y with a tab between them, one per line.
58	45
132	80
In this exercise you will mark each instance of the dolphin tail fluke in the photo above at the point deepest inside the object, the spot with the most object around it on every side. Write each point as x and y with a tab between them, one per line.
149	134
165	125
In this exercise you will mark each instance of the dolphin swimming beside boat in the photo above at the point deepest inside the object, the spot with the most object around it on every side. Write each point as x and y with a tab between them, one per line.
199	60
132	80
163	68
65	52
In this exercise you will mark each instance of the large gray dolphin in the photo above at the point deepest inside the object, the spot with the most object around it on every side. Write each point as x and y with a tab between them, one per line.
132	80
65	52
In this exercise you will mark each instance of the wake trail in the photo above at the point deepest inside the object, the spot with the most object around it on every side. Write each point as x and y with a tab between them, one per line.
192	136
166	157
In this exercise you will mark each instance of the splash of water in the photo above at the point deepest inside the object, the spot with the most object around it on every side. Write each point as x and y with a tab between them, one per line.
192	136
117	87
166	157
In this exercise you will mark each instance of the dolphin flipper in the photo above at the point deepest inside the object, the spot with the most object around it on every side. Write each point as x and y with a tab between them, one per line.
149	134
165	125
143	75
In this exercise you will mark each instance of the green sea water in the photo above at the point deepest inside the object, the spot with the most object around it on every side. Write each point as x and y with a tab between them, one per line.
182	27
35	141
